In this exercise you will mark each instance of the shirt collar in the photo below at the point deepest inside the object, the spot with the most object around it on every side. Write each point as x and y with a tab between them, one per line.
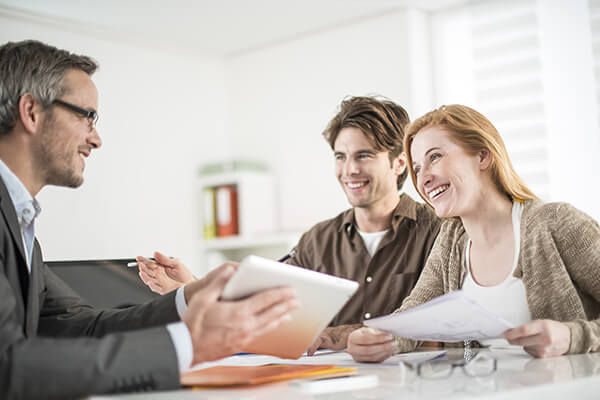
20	197
406	207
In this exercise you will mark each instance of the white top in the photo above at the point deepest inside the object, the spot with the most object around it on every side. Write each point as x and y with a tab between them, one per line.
372	240
507	299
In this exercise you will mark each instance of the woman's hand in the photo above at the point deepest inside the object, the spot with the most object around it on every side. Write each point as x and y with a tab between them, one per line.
370	345
541	338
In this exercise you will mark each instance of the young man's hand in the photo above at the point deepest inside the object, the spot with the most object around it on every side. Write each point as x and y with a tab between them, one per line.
164	274
333	338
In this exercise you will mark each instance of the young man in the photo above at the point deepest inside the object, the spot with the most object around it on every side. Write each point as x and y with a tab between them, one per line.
52	344
382	241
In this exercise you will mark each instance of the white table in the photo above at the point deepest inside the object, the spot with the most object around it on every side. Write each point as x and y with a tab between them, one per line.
519	376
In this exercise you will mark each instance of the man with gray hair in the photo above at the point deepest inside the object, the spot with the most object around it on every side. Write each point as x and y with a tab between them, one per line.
53	344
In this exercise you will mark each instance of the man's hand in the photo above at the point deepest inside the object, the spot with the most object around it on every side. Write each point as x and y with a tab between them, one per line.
221	328
541	338
164	274
199	284
370	345
334	338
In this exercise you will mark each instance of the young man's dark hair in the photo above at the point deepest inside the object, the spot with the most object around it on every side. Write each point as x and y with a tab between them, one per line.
380	120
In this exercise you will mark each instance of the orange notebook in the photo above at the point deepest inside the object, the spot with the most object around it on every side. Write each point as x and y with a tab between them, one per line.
252	375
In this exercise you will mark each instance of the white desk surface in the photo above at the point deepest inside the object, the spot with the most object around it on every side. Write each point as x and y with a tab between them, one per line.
519	376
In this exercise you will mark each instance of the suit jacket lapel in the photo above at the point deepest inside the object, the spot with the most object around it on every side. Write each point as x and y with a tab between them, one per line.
36	291
10	216
8	209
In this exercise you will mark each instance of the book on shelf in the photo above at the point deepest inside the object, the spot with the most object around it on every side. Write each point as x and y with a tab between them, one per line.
227	210
209	221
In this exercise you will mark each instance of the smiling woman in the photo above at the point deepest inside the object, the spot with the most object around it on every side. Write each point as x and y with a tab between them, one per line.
465	130
533	263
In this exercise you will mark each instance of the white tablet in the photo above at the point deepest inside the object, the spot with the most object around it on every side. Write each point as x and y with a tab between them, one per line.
321	296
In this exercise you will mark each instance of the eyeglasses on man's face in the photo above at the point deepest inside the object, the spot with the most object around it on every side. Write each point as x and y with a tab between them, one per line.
92	116
480	366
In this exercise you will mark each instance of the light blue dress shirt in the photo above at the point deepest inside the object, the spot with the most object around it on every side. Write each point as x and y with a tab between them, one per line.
26	206
28	209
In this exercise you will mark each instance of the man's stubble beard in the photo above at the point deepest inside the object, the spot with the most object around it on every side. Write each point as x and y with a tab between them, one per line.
53	159
360	203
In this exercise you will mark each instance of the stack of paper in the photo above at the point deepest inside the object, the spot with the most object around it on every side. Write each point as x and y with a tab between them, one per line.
453	317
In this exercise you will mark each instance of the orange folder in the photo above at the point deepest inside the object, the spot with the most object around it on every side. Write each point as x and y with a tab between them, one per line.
252	375
227	210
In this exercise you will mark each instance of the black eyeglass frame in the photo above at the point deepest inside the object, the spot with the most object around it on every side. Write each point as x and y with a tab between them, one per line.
92	116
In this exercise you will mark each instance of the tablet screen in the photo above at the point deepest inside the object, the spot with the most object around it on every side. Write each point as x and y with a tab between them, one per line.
321	297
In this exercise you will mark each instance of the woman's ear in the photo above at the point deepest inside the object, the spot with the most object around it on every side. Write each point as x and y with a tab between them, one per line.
485	159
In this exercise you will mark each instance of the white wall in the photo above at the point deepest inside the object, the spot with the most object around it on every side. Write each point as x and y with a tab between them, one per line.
161	116
280	98
570	102
163	112
528	66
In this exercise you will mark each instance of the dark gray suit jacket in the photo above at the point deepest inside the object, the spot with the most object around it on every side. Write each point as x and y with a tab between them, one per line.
52	345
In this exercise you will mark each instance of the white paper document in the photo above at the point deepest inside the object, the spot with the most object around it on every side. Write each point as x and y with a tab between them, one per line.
453	317
339	358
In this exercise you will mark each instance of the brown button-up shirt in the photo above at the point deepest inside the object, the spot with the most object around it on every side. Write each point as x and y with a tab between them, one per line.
336	247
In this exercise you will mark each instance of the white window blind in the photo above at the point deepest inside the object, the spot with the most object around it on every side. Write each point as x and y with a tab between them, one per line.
595	27
507	81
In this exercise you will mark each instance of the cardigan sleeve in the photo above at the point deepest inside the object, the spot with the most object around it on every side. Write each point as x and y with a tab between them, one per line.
577	238
431	282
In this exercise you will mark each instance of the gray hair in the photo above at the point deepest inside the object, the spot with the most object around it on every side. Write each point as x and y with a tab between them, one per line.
37	68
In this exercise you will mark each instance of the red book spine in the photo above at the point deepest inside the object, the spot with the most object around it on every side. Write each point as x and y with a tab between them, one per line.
227	211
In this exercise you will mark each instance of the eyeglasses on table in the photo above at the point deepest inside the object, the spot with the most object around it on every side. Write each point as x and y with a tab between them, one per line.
480	365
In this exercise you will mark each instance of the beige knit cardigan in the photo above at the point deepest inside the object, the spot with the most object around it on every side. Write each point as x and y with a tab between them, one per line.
559	263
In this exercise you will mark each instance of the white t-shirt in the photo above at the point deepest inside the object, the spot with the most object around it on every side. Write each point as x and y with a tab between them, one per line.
507	299
372	240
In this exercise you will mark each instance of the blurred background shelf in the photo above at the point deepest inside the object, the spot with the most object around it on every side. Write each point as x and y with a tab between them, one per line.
255	208
235	248
249	242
